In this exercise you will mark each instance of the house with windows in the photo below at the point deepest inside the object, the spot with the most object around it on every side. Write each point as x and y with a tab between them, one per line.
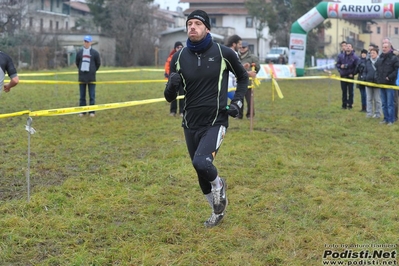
363	33
164	19
55	25
381	29
356	32
359	33
57	16
230	17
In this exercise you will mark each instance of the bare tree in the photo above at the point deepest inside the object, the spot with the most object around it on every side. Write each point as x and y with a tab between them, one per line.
130	20
130	24
12	14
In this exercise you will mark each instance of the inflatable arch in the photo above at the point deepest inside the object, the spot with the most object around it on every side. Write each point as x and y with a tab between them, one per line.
324	10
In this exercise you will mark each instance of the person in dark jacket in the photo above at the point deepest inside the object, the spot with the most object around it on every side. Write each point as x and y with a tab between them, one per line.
173	105
247	60
346	65
395	92
7	67
343	47
203	68
373	93
88	62
387	68
359	72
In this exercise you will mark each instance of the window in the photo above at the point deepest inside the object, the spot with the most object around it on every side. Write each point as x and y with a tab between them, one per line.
275	50
396	30
51	25
213	22
378	30
66	25
65	9
249	22
30	22
56	25
41	24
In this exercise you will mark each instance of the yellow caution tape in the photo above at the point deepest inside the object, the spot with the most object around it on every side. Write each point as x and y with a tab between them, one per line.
76	72
255	82
131	81
299	78
277	88
14	114
47	82
99	107
45	74
97	82
368	84
80	109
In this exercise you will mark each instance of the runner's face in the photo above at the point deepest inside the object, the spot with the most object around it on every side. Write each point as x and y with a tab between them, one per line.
196	30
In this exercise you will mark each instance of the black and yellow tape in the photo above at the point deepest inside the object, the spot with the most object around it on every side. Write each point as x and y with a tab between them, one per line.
99	107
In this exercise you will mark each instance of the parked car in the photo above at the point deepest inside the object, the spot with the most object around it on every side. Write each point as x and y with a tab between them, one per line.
276	53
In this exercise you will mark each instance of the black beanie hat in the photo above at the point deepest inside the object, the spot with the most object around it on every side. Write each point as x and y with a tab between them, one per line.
201	15
177	44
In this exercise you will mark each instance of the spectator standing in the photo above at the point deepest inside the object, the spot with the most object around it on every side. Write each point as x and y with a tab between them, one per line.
173	105
343	47
346	65
234	42
371	46
395	92
373	93
203	67
387	68
281	60
7	66
88	62
247	59
359	71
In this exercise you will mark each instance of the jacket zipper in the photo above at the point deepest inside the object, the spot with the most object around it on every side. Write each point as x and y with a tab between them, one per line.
199	59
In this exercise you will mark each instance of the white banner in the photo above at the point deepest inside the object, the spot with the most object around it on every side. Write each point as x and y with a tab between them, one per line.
365	11
310	20
279	71
297	50
323	63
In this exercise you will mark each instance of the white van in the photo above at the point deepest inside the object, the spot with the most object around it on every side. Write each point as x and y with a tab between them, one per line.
275	53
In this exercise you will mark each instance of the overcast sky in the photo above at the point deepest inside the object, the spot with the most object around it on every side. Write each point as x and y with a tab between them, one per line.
172	4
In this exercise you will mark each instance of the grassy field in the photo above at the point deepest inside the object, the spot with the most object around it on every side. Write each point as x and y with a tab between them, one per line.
119	188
